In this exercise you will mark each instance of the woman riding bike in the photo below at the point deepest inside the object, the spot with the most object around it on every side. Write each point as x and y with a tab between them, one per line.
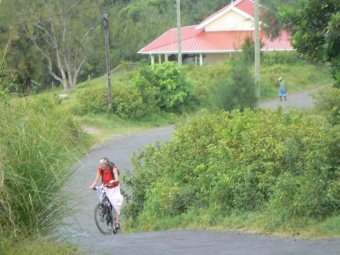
110	177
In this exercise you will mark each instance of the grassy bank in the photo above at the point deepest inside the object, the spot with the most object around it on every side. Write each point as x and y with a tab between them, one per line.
34	247
39	143
246	222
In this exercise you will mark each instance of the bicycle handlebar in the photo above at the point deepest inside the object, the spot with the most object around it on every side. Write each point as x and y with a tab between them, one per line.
105	185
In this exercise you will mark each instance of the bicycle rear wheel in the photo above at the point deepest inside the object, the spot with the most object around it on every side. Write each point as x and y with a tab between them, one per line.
104	219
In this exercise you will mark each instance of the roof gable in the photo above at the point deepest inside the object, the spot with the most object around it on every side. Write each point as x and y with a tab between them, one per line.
231	21
244	8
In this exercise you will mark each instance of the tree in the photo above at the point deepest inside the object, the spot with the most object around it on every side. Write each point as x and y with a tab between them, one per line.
60	31
315	26
238	91
19	62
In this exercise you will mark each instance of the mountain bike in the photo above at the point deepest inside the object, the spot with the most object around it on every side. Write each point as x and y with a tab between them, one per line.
104	215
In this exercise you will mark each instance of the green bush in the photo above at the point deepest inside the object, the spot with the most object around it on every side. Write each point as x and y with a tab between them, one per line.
91	100
238	91
232	162
205	80
328	101
307	195
127	101
165	84
38	143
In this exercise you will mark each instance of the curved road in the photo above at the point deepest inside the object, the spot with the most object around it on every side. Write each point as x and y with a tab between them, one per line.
83	231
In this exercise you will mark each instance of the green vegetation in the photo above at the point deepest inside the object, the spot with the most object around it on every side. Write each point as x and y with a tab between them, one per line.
298	74
132	26
238	91
239	169
327	101
164	86
316	40
139	93
136	103
262	171
39	142
34	247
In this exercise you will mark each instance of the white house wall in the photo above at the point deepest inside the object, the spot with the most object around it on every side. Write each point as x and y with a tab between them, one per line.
230	21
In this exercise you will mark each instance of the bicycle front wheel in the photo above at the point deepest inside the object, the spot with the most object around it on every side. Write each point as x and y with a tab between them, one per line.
103	219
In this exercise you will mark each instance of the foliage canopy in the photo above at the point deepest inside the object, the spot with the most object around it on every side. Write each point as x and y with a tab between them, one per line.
315	26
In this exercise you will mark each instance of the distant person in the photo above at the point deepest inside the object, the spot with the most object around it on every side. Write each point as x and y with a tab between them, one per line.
282	89
109	174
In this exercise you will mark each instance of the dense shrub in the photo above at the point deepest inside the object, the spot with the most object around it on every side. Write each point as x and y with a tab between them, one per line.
38	144
327	100
238	91
205	80
127	101
91	100
162	88
229	85
231	162
165	84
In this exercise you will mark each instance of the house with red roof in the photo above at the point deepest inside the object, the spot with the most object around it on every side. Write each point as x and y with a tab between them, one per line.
216	37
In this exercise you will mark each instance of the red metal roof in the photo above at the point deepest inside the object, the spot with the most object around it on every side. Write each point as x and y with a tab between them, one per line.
246	6
196	40
199	41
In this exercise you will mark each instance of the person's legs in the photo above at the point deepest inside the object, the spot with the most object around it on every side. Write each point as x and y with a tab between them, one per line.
116	200
283	94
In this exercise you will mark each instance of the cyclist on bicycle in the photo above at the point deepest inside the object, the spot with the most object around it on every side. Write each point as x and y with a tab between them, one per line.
110	177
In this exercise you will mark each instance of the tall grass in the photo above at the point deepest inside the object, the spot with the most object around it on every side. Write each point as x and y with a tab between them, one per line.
38	142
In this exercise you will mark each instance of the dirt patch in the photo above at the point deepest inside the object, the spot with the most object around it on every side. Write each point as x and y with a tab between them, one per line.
92	130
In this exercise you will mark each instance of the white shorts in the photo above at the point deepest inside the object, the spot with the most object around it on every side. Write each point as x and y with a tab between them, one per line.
115	197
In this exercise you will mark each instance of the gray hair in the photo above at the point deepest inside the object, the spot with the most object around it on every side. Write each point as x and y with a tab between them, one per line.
104	161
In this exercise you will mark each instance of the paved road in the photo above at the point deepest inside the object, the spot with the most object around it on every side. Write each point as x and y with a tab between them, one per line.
298	100
83	230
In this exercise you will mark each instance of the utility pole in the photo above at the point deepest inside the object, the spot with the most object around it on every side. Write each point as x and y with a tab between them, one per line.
257	49
179	35
108	68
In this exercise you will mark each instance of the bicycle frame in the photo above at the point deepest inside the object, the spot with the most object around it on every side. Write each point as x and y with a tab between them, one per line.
101	194
105	212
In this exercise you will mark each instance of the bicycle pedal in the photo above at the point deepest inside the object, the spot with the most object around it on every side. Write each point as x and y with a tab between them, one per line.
114	231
